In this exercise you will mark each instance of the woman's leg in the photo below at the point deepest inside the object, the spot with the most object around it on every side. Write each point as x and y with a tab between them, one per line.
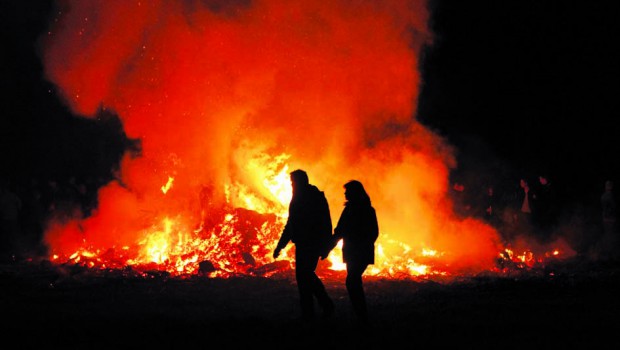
355	288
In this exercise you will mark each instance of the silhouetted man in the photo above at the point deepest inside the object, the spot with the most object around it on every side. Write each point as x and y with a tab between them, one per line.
309	227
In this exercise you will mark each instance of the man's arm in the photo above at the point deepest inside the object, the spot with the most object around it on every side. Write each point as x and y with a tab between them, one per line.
283	241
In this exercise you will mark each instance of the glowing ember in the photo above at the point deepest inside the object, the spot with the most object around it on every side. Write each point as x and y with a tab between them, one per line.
168	185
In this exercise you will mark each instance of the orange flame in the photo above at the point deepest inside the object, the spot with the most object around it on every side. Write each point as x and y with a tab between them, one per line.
226	98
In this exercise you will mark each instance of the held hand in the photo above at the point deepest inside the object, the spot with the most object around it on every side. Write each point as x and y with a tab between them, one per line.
276	252
331	244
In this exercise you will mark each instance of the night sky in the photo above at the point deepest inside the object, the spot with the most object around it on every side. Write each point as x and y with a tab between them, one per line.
527	87
40	138
520	88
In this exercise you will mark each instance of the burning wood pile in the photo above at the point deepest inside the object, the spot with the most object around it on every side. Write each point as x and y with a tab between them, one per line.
242	244
222	101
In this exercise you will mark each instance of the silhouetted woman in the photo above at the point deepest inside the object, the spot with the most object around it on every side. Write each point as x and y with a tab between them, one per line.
358	229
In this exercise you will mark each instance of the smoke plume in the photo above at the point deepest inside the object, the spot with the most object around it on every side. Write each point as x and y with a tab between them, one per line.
226	95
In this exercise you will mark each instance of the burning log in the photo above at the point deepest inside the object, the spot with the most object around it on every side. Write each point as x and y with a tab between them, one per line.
248	259
206	267
271	268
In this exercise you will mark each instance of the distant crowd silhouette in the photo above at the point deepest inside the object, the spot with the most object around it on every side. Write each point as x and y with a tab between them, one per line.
537	209
26	208
532	206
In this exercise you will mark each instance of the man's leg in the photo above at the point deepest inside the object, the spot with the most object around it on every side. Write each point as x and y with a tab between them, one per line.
304	273
318	289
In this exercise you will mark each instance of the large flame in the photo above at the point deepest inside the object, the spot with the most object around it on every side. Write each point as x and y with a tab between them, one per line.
226	98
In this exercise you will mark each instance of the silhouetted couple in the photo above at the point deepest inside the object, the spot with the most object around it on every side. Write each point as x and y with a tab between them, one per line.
309	227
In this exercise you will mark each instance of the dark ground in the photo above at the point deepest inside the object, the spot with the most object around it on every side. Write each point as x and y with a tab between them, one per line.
574	303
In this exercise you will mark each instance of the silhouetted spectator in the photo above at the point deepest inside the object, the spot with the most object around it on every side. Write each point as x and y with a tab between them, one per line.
517	212
10	231
524	219
490	206
73	198
33	219
61	200
358	228
609	241
545	207
462	205
50	195
309	227
89	191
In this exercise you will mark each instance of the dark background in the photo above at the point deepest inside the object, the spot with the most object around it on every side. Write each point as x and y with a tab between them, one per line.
520	88
39	137
526	88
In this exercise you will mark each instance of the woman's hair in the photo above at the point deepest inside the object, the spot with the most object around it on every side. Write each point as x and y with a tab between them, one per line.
356	192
